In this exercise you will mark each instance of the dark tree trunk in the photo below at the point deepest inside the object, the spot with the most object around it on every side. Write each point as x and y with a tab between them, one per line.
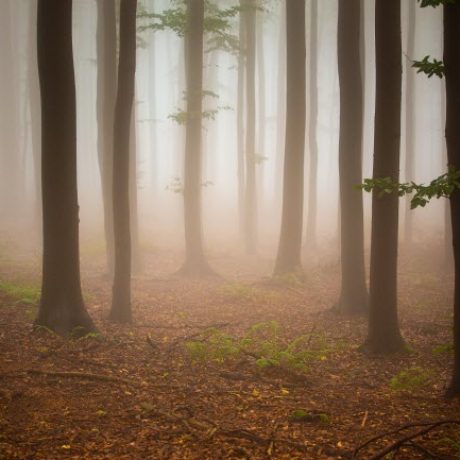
195	261
288	259
61	307
452	69
310	234
384	335
353	297
240	122
250	217
121	292
106	95
410	120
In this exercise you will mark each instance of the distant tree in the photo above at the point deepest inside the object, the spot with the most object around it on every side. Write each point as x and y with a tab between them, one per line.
353	297
310	234
250	215
106	95
61	306
452	72
384	335
195	260
121	292
289	249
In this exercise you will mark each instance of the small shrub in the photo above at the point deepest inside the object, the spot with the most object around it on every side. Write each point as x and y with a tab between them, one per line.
411	379
26	294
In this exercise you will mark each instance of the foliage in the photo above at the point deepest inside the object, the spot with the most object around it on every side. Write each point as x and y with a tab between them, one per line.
442	186
443	348
262	342
27	294
430	68
302	415
411	379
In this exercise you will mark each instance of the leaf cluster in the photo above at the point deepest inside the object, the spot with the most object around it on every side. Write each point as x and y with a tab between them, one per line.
430	68
411	379
442	186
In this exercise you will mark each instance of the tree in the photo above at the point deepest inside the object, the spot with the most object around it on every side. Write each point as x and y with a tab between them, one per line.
250	215
353	297
452	73
310	234
121	291
106	95
384	335
289	249
61	306
195	260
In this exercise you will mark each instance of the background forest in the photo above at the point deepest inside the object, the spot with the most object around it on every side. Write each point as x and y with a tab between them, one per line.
190	263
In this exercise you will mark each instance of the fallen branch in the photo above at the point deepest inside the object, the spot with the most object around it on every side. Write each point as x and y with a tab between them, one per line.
427	427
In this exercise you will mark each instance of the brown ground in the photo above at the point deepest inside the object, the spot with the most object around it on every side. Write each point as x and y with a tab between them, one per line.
134	392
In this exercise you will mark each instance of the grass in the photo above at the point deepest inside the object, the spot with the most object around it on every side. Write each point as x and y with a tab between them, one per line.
21	293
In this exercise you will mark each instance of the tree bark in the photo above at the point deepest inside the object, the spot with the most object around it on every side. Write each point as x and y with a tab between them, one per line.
195	261
384	335
310	234
353	297
61	306
121	291
289	249
452	72
106	95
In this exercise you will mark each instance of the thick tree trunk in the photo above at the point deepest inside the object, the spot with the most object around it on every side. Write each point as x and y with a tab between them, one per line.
250	217
384	335
310	234
289	249
452	69
106	95
410	121
61	307
195	261
121	292
353	297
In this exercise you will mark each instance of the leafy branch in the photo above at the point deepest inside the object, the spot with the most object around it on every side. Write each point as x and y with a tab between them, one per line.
442	186
430	68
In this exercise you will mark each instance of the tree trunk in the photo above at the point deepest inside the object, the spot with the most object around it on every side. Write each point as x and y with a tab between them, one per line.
353	297
452	72
288	259
195	261
310	234
121	292
250	216
106	95
384	335
61	307
410	121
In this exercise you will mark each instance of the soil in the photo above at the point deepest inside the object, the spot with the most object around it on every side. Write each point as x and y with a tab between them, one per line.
140	392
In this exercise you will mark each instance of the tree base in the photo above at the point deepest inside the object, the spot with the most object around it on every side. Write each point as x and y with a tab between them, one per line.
352	307
196	270
383	346
453	391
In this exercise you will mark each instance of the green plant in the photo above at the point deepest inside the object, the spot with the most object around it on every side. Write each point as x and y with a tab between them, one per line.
443	348
26	294
411	379
302	415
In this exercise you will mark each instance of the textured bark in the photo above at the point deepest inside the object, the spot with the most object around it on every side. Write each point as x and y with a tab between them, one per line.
384	335
410	121
250	216
353	297
310	234
106	95
289	249
121	291
61	306
452	69
195	261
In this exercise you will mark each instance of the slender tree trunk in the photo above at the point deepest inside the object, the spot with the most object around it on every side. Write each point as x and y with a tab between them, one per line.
61	307
250	217
452	72
195	261
121	292
410	121
384	335
353	297
240	123
289	249
106	95
261	113
310	234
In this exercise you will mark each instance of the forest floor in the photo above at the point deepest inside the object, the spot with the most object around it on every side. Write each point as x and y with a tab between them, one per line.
235	367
